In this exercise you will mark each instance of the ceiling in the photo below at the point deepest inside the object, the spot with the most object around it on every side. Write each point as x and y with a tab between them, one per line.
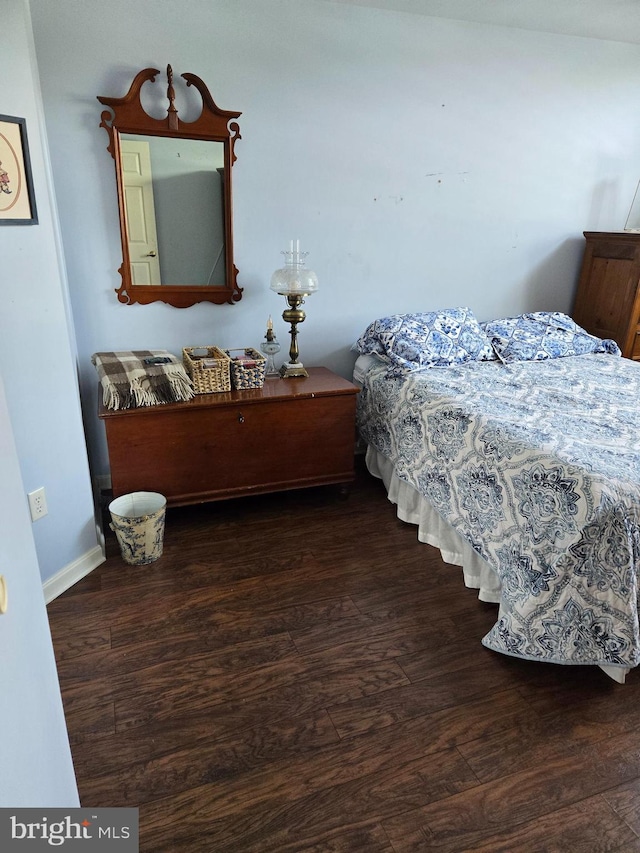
615	20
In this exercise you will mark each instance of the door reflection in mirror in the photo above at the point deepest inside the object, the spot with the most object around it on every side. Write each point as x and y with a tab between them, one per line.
174	201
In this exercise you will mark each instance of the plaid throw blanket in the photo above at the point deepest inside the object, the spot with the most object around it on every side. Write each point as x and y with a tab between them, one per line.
127	381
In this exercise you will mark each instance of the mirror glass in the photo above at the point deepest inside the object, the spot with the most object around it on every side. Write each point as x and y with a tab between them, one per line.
173	179
174	202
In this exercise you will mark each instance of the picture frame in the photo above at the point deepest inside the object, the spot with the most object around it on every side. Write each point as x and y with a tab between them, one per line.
17	197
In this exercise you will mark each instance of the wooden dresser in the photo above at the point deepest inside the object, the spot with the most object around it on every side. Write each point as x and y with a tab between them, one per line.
289	434
607	303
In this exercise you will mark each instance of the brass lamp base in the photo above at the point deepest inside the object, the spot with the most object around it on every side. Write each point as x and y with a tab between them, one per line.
289	370
294	315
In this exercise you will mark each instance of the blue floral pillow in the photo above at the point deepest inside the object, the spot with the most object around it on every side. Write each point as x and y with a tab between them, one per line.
432	339
541	335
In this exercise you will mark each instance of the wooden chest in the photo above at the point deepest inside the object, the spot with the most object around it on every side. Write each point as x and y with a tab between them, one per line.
289	434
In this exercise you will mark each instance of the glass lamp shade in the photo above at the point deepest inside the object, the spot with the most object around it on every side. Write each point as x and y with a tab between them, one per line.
294	278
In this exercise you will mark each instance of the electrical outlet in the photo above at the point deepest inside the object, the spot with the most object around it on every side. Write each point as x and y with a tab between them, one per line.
37	504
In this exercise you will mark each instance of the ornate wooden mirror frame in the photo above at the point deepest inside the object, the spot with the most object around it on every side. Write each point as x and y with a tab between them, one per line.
128	116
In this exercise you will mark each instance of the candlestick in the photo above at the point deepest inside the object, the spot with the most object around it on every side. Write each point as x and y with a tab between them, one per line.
270	347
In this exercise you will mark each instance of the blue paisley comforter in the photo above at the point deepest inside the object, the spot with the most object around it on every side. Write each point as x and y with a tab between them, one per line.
537	466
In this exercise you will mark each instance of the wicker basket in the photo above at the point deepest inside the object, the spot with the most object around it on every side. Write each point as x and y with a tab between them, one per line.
209	373
247	368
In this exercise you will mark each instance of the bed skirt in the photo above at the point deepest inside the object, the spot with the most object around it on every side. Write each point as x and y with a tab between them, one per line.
433	530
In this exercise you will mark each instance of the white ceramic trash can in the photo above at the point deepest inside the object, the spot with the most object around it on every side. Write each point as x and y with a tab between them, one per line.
137	520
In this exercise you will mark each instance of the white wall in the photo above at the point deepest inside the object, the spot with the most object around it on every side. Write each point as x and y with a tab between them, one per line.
36	767
422	162
36	341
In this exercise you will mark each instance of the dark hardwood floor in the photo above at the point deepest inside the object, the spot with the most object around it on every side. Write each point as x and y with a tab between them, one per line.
298	673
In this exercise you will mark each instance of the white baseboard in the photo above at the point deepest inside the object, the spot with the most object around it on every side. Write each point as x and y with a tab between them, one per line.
66	577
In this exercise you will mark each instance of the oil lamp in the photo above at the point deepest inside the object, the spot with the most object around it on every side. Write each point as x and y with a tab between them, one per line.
294	281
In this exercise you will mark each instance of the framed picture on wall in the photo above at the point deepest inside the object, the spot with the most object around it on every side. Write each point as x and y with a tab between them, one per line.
17	199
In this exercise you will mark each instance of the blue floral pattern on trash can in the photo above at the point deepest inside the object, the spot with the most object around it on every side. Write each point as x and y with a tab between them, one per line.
140	537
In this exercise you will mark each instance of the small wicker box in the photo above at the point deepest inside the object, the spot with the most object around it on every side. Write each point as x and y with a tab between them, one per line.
209	373
247	368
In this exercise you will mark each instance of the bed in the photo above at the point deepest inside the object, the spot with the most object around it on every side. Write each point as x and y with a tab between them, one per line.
515	447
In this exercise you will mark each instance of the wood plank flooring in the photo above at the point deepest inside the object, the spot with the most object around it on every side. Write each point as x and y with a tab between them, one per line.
298	673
